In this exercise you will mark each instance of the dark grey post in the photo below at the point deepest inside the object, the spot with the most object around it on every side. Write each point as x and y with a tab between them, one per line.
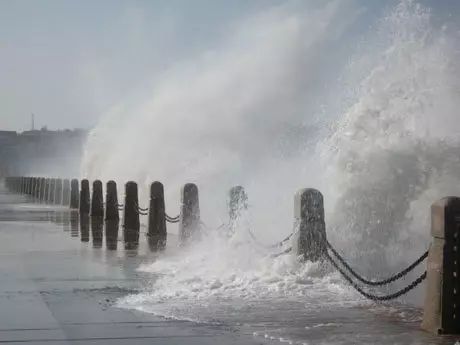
35	187
441	313
66	192
84	227
52	191
58	192
189	223
46	190
111	234
74	194
111	202
42	189
84	197
96	231
130	214
157	222
97	202
38	188
309	240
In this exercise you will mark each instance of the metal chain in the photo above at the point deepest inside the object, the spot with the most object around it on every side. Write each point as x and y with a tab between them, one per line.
380	282
286	251
276	245
141	209
370	296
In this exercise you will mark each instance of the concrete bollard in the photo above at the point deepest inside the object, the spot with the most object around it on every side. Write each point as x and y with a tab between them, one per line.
58	192
51	191
441	313
111	202
84	197
41	196
97	201
131	223
237	203
46	190
37	189
65	192
189	223
96	231
157	221
74	194
111	234
84	227
309	240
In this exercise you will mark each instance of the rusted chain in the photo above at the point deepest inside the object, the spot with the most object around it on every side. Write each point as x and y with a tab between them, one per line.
379	282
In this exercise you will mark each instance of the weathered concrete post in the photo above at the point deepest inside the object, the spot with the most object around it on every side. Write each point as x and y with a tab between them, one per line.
58	192
23	185
111	202
309	240
52	191
441	313
157	221
66	192
74	194
84	197
96	231
38	188
27	185
189	223
131	222
42	189
237	203
35	187
111	234
46	190
84	227
97	202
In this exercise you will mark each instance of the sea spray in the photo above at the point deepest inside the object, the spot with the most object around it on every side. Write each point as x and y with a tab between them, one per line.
239	118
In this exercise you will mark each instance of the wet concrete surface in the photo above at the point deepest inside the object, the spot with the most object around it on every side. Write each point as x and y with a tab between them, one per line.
60	278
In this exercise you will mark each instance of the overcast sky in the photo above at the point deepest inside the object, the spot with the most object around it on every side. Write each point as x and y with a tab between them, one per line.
70	61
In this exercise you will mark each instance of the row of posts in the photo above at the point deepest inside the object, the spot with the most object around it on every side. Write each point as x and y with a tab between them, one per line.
71	193
442	301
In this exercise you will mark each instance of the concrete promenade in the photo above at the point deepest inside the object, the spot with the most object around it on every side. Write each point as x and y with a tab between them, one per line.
54	289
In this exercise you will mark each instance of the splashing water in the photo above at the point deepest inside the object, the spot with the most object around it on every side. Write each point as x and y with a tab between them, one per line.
380	141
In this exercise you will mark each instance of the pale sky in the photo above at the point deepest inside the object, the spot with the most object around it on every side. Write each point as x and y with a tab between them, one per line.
68	62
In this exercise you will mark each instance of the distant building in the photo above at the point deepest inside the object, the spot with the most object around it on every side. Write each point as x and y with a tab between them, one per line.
41	152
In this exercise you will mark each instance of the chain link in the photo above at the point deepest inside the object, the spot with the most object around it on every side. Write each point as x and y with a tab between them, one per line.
370	296
380	282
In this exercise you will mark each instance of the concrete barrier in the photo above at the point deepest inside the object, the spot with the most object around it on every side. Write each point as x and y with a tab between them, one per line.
51	191
58	192
131	222
111	201
309	239
237	204
189	223
97	201
157	233
66	192
441	313
74	194
85	200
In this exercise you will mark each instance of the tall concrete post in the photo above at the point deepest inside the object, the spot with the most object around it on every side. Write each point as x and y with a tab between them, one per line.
309	240
97	202
111	234
46	190
131	222
74	194
66	192
35	187
157	221
84	197
189	223
96	231
441	312
41	196
111	202
52	191
237	204
38	188
58	192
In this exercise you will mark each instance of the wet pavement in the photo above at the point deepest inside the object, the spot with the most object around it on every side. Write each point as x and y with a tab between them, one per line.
61	275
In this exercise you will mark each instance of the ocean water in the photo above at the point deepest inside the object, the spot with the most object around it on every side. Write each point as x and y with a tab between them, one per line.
356	101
